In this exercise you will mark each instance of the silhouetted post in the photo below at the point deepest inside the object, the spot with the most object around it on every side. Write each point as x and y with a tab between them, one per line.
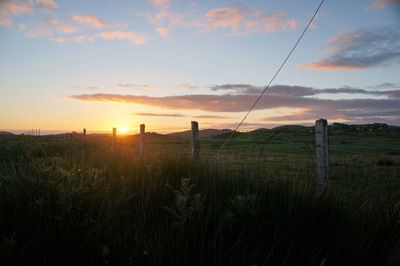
114	135
195	141
142	134
84	135
322	150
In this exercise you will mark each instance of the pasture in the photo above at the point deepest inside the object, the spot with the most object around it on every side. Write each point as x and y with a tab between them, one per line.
64	201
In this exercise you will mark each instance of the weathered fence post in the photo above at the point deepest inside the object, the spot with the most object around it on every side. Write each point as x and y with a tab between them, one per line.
114	134
195	141
84	135
142	134
322	150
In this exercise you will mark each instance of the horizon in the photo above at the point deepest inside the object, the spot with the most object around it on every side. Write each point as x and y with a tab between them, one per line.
163	63
129	132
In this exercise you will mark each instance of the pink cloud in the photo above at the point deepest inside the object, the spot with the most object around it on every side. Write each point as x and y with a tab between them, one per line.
67	28
17	7
381	4
90	20
224	17
9	7
6	22
238	21
160	3
48	28
132	37
84	38
46	4
163	31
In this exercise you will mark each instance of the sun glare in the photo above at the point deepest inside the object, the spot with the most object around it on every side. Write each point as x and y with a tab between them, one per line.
123	130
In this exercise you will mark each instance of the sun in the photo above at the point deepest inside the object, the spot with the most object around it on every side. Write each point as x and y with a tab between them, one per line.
123	130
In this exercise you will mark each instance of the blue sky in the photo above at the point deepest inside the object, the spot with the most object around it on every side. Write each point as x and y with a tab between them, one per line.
98	64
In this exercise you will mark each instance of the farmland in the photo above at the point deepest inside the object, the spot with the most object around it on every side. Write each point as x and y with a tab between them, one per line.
65	201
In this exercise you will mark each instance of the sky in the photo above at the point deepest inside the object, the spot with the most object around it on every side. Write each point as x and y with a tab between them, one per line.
69	65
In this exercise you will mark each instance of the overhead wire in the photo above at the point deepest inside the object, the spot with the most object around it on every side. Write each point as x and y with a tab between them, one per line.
274	76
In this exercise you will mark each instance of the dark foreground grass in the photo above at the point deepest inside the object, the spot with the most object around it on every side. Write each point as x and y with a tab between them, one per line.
57	209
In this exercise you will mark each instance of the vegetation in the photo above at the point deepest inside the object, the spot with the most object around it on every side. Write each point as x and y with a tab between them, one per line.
65	202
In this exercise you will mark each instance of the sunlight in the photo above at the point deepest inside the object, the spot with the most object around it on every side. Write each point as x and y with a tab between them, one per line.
123	130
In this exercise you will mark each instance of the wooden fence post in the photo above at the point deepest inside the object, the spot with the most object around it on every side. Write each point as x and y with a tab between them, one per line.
84	135
142	134
114	134
322	150
195	141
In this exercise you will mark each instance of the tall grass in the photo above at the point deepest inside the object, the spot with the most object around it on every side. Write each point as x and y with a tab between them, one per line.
57	209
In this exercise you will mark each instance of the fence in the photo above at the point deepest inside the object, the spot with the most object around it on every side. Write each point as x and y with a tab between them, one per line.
288	150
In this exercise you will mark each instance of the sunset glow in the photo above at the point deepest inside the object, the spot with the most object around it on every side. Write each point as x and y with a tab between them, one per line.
122	130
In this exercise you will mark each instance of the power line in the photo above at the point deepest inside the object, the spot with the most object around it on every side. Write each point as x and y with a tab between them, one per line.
273	78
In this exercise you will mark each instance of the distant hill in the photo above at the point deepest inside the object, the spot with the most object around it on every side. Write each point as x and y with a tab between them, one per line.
290	127
204	133
5	133
375	127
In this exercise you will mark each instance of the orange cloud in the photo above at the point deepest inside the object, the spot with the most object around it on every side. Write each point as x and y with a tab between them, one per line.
90	20
327	65
130	36
296	98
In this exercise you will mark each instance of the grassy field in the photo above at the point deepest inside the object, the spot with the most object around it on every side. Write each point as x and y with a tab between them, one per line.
65	202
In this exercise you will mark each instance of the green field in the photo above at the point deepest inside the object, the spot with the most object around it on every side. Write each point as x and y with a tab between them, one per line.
64	201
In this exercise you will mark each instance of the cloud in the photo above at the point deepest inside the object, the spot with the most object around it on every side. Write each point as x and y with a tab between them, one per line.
137	86
241	21
360	49
187	86
9	7
299	91
90	20
224	17
163	31
181	115
237	21
211	117
160	3
381	4
280	96
45	4
126	85
386	85
155	114
237	88
67	28
130	36
18	7
49	27
6	22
